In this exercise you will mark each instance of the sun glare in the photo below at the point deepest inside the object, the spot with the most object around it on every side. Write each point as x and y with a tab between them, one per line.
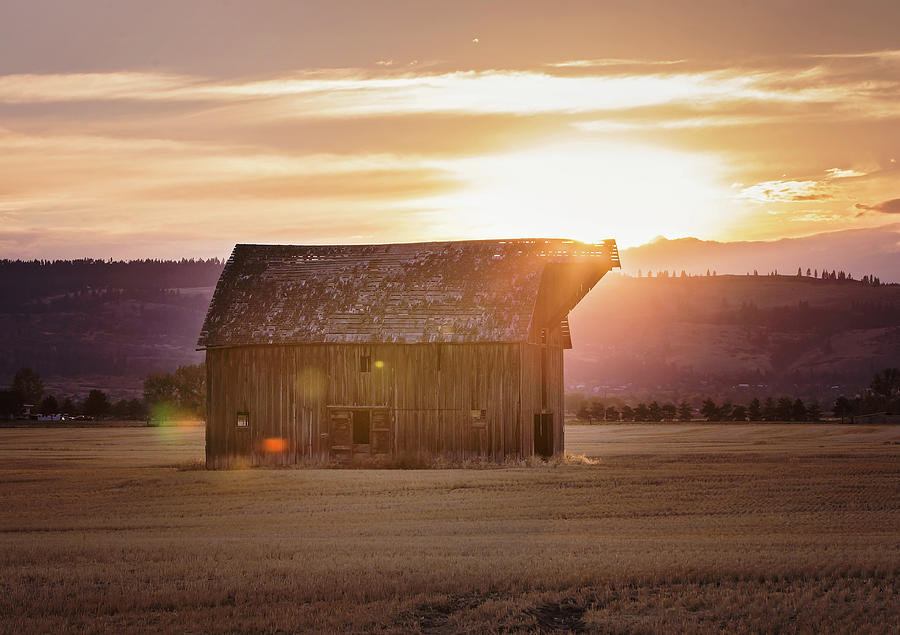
586	192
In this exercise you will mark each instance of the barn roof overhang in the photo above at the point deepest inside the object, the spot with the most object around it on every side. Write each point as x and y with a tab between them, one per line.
466	291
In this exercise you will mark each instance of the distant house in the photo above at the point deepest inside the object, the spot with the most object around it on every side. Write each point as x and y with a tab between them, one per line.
449	348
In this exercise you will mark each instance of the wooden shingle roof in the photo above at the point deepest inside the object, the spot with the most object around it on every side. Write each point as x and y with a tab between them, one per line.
468	291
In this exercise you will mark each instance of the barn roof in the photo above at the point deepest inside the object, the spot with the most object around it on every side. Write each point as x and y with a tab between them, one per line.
468	291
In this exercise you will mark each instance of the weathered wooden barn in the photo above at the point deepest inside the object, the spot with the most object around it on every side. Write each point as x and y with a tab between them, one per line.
445	348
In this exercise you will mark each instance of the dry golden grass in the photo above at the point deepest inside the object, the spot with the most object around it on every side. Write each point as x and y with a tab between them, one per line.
674	528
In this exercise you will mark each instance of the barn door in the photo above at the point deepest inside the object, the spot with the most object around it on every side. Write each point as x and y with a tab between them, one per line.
340	433
381	431
543	434
359	431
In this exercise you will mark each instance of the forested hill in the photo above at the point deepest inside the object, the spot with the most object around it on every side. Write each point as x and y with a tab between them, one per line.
721	335
94	324
97	324
25	282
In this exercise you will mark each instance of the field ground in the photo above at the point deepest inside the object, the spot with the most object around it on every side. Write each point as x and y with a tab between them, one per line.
676	527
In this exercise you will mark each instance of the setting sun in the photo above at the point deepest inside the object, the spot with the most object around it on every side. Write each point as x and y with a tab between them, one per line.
586	191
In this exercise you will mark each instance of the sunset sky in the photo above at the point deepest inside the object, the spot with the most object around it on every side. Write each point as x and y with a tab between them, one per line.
176	128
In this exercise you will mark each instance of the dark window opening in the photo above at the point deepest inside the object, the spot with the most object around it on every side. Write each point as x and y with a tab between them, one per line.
362	423
243	420
365	364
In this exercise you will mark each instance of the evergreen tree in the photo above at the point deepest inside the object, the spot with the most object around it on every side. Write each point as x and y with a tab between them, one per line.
813	411
754	411
784	409
739	413
685	413
627	413
641	413
654	412
725	411
798	410
669	411
96	404
612	414
770	412
709	410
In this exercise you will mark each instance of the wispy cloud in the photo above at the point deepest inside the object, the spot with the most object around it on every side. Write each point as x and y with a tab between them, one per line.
96	86
815	217
322	151
884	54
612	62
788	191
885	207
799	190
838	173
356	92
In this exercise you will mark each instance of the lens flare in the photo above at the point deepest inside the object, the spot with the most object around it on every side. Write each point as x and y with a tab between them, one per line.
274	445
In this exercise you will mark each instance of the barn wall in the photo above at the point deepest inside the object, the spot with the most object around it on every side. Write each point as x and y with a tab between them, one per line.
429	389
532	401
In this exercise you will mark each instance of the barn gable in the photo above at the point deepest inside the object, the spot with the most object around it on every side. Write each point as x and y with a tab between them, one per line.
467	291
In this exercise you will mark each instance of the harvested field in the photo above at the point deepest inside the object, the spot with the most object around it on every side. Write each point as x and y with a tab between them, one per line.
693	527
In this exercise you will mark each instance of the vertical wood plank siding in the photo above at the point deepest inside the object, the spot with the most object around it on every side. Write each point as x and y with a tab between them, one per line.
430	391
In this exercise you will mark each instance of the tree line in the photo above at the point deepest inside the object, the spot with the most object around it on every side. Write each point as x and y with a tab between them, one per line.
26	280
167	396
781	409
838	276
882	395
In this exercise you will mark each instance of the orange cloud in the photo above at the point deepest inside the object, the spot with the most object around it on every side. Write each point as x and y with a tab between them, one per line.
382	154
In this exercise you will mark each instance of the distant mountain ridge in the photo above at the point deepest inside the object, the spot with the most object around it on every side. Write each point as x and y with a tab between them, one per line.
857	251
784	334
99	324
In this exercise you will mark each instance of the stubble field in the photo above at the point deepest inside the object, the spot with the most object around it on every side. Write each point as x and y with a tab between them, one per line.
675	527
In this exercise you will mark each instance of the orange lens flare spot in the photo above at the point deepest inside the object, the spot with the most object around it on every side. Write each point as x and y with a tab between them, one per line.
274	445
379	364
